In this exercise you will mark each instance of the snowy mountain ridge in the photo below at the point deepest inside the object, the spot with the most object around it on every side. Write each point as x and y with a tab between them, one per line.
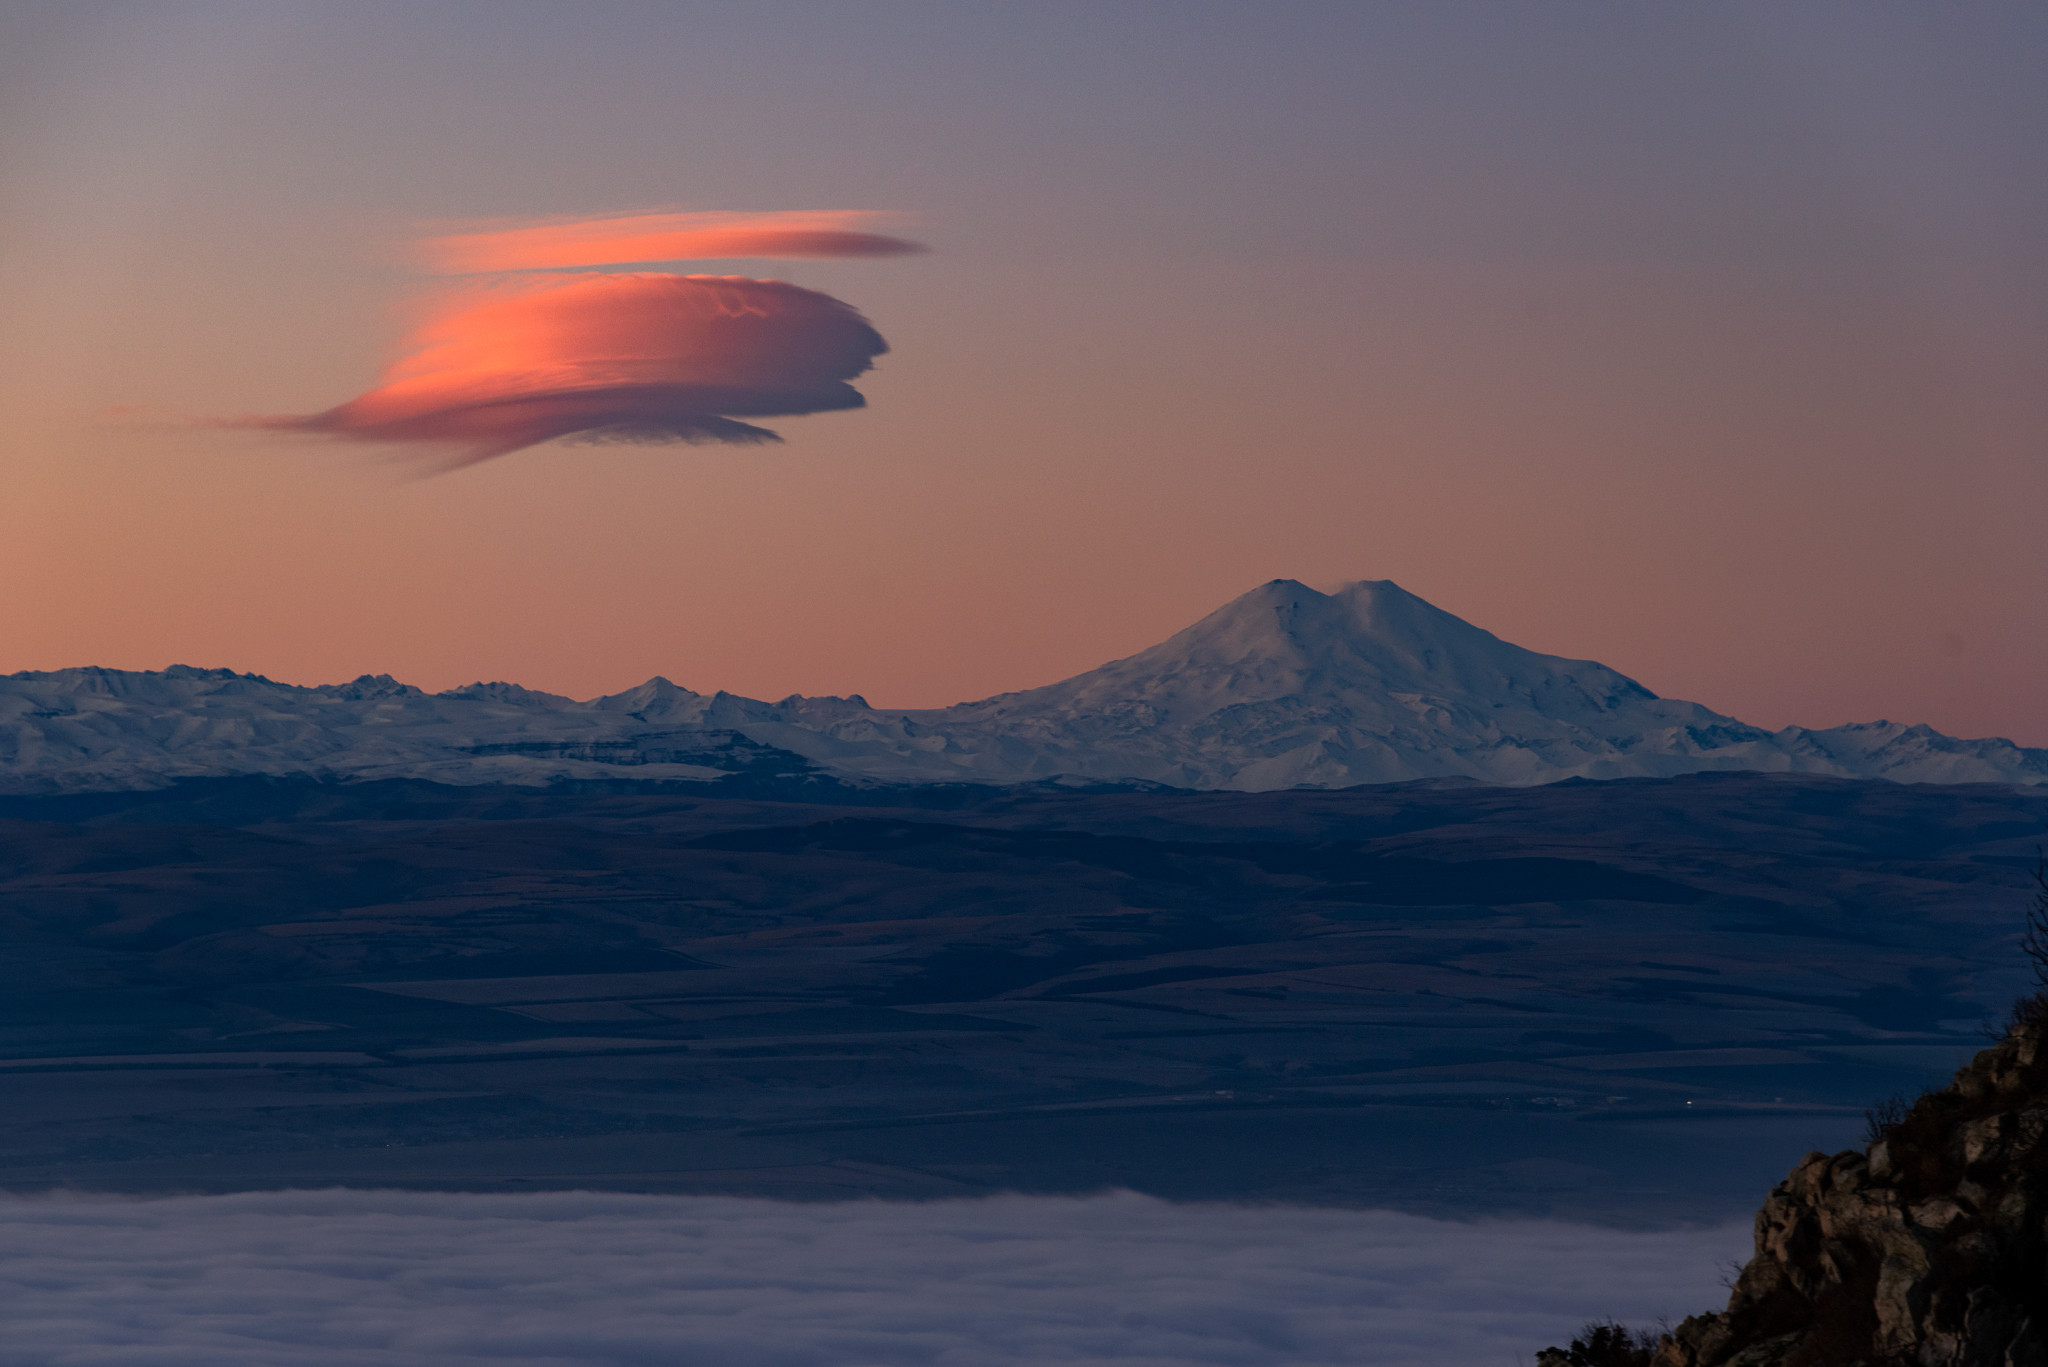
1282	687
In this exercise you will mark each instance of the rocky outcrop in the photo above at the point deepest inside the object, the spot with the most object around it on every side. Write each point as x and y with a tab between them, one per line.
1930	1248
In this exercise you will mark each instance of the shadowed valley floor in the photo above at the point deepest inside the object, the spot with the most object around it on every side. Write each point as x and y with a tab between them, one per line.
1634	1000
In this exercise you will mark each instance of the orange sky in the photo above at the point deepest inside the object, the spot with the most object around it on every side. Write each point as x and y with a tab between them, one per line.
1705	347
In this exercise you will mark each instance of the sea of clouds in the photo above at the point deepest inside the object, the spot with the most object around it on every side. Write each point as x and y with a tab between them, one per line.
403	1279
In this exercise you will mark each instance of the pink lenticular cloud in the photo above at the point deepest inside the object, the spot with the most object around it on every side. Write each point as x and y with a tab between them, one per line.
640	357
647	238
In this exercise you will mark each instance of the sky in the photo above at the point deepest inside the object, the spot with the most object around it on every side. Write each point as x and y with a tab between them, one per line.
582	1279
1704	341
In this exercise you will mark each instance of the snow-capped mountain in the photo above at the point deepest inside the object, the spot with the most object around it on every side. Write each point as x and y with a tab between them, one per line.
1280	688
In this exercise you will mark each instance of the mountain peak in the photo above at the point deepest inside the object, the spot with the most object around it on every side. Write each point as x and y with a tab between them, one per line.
1283	686
657	695
365	687
502	692
1284	639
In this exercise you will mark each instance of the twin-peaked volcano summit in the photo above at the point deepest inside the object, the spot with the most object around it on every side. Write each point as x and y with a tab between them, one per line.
1371	648
1282	687
1286	685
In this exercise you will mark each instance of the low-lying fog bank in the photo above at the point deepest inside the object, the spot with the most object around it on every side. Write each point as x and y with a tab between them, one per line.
396	1279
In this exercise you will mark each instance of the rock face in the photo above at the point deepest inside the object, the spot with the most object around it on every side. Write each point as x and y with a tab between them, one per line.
1929	1249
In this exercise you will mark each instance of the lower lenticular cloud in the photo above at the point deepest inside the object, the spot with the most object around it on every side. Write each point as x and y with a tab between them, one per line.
640	357
648	238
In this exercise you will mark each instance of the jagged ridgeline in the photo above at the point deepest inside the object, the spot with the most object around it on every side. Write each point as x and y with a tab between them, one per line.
1928	1249
1284	687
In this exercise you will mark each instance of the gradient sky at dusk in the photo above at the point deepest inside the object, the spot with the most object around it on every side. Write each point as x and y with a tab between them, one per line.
1705	341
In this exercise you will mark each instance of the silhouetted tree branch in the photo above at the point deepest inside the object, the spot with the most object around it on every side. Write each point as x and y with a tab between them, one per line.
1604	1343
2032	1009
2035	941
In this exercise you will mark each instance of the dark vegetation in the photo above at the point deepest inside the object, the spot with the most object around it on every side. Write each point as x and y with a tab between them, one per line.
1604	1343
1884	1116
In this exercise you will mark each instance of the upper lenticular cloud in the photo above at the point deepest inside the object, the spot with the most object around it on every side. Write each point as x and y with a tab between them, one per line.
648	238
619	357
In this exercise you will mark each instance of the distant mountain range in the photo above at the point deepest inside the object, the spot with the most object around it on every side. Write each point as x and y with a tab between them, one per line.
1284	687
